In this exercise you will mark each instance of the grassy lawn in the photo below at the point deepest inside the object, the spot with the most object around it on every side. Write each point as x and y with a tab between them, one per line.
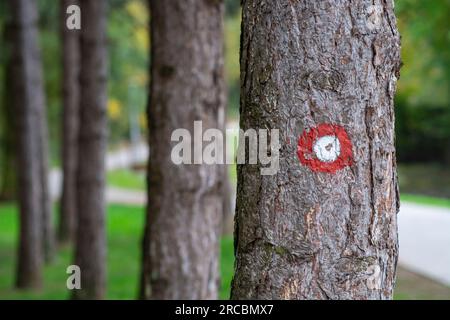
124	229
124	232
425	200
126	179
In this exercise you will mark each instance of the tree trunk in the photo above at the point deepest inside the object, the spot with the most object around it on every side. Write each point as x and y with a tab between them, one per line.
71	101
28	102
90	250
320	228
181	241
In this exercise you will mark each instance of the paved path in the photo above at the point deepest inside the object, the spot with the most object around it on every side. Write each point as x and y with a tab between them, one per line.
424	234
119	159
124	196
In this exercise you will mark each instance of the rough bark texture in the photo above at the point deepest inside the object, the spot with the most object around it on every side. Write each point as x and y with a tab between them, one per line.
184	214
28	102
302	234
91	243
71	101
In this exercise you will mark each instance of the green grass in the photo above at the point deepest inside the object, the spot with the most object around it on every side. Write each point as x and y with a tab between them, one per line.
124	230
425	200
126	179
226	266
232	173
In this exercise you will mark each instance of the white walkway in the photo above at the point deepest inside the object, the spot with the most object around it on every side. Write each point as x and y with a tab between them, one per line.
424	233
119	159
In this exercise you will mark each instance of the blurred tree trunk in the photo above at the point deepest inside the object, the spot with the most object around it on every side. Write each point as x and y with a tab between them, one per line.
90	253
184	214
28	102
70	123
304	234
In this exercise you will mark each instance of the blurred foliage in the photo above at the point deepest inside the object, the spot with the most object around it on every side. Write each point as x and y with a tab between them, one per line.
3	121
128	36
51	62
7	139
422	101
232	43
232	7
425	30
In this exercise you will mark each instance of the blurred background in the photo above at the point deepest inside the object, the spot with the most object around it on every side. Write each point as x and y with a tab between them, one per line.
423	148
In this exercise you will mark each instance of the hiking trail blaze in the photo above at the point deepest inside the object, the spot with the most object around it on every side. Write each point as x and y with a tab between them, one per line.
325	148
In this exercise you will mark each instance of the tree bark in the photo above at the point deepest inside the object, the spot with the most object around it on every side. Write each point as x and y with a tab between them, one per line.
184	214
28	103
71	102
305	234
90	252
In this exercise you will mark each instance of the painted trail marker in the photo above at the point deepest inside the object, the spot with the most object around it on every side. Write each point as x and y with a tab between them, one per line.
325	148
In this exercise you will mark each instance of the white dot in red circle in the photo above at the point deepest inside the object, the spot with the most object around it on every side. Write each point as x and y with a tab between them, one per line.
325	148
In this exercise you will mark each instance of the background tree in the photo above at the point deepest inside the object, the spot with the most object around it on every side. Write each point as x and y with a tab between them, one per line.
71	101
184	211
303	234
28	103
90	250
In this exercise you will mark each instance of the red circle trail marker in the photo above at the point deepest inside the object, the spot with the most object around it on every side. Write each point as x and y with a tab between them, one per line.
325	148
